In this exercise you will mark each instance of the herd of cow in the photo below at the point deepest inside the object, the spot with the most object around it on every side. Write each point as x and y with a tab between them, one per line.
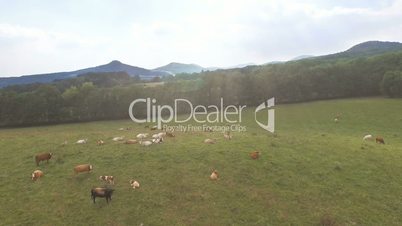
368	137
104	192
107	192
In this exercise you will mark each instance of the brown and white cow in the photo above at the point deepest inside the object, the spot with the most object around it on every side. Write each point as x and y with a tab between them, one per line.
108	179
37	174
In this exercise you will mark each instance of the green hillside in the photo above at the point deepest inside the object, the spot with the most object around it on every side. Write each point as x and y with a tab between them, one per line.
177	68
368	69
313	171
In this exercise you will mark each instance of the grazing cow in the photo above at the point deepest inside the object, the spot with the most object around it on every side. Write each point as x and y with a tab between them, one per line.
158	135
208	129
100	142
368	137
227	136
158	140
42	157
83	168
131	142
379	140
118	138
103	193
162	134
214	175
255	154
142	135
108	179
209	141
37	174
337	117
145	143
83	141
134	184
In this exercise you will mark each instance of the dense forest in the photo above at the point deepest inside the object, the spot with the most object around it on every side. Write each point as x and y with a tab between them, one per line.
101	96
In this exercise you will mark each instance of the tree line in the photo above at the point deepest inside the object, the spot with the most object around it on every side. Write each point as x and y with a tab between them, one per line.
104	96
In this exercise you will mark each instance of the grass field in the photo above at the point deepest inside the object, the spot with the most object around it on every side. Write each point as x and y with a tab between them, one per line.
312	171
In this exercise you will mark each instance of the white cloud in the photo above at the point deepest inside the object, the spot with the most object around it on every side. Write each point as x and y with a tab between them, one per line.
30	50
36	34
12	31
210	33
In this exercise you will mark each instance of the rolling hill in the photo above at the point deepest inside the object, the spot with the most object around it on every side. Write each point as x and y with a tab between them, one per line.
365	49
301	57
114	66
177	68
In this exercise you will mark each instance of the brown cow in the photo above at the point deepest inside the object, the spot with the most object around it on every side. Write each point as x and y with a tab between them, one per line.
379	140
100	142
255	154
82	168
103	193
131	141
42	157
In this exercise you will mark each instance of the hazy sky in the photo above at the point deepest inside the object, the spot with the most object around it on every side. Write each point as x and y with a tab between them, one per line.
49	36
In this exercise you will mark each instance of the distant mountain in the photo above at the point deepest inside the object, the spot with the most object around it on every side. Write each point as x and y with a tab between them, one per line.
364	49
241	65
177	68
374	47
274	62
230	67
114	66
213	68
301	57
117	66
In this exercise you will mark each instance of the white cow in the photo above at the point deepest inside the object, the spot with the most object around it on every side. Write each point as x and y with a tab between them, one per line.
134	184
146	143
118	138
83	141
368	137
142	135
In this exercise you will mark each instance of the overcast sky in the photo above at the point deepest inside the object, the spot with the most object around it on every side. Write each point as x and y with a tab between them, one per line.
50	36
